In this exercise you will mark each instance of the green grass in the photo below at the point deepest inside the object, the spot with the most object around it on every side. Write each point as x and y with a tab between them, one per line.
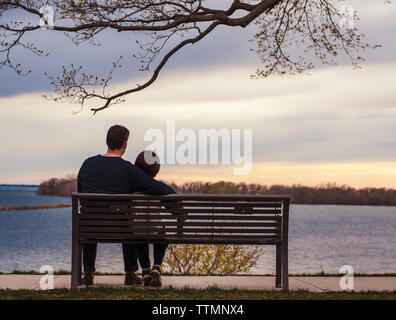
213	293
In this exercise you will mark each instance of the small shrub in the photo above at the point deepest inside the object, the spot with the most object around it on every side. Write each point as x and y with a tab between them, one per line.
211	259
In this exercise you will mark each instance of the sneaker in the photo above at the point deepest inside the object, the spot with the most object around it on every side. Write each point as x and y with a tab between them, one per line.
146	277
131	278
156	280
88	278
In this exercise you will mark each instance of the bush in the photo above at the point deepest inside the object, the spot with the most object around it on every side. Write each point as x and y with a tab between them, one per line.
211	259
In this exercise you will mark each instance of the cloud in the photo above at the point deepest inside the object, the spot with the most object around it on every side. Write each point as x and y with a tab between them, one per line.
336	115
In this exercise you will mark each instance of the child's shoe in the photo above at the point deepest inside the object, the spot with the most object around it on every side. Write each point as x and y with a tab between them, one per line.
156	280
146	277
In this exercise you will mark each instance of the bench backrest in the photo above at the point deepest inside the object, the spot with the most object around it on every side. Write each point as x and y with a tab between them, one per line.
208	219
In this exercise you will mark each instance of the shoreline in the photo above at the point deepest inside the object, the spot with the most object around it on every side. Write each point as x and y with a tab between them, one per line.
49	206
319	274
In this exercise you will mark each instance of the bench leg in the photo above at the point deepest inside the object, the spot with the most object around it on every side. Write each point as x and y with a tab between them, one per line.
278	279
76	247
79	274
285	267
75	265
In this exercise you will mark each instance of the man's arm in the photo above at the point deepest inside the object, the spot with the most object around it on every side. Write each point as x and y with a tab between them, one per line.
142	182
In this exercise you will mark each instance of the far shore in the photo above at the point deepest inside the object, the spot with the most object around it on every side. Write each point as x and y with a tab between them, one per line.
49	206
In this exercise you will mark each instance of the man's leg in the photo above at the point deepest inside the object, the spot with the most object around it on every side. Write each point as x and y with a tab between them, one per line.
144	260
142	250
89	257
130	264
130	257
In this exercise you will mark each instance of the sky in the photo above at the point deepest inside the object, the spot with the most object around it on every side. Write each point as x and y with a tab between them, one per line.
334	125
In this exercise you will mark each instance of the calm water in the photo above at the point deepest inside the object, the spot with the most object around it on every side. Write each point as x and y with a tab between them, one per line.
322	237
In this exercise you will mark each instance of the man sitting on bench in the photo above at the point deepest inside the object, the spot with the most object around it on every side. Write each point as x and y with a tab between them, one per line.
109	173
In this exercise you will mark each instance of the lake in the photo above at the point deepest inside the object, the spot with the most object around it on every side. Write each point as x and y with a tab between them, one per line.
322	237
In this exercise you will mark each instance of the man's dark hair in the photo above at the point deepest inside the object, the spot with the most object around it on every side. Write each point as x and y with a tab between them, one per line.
116	137
149	162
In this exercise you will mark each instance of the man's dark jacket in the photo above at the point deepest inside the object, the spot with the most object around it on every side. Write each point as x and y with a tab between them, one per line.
100	174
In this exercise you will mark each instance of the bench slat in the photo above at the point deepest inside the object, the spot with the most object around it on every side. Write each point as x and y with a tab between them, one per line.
128	210
113	216
189	241
175	223
257	204
146	203
169	237
183	197
183	231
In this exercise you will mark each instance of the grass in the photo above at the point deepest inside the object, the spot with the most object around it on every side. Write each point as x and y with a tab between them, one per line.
212	293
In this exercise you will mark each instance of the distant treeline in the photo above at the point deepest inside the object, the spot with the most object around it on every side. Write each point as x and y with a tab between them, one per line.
322	194
58	187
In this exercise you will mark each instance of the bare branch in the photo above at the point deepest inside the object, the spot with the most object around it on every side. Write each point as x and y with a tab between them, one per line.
291	33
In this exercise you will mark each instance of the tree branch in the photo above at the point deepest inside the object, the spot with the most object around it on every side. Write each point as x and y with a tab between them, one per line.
282	24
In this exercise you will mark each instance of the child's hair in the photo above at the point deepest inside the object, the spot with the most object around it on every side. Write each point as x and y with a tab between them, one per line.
149	162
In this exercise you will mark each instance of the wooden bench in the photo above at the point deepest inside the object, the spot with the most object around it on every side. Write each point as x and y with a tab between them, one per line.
208	219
